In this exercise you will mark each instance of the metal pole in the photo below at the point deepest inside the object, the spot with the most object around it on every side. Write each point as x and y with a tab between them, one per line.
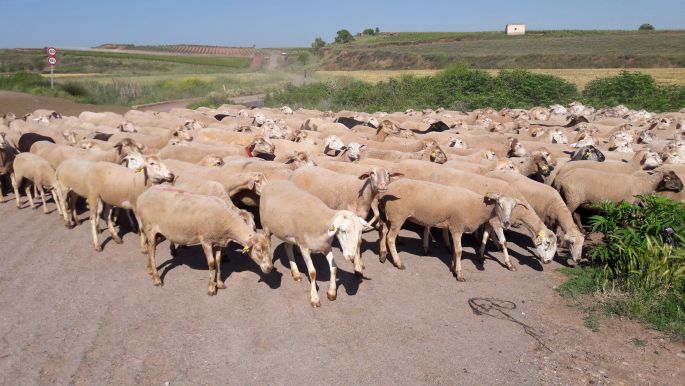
52	77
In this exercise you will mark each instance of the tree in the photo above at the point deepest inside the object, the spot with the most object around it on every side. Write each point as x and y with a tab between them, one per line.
303	57
344	36
646	27
318	44
377	30
369	32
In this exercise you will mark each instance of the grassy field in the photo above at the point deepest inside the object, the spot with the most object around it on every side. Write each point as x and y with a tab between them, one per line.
97	62
536	49
579	77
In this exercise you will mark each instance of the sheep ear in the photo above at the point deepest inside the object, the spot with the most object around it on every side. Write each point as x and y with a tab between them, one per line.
490	197
364	176
363	147
365	225
331	229
395	175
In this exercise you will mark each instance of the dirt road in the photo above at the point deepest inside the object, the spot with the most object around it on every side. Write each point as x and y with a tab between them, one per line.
74	316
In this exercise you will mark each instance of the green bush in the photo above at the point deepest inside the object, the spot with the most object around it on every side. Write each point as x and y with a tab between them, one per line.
636	91
457	87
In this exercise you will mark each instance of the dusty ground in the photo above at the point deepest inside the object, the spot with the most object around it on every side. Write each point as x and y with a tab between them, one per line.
21	103
70	315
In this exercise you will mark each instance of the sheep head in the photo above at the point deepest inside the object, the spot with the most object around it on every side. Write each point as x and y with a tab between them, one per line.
127	127
333	145
379	178
262	147
516	148
545	242
457	143
575	245
669	182
157	171
183	132
259	248
347	228
354	151
299	159
211	160
503	206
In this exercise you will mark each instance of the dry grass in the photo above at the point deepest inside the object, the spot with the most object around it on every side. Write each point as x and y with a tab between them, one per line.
579	77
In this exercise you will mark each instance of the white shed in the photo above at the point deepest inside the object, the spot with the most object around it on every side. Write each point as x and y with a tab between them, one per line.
516	29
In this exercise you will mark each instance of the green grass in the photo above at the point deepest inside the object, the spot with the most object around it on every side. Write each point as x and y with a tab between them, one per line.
536	49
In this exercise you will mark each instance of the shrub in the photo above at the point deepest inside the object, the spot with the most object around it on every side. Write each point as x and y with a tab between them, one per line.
318	44
343	36
646	27
636	91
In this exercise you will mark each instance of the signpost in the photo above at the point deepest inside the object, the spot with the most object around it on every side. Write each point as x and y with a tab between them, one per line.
52	60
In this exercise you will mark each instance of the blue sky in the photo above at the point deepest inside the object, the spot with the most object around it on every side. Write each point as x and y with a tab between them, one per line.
267	23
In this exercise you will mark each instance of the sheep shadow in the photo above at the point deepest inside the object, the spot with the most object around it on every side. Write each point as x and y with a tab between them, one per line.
194	257
348	280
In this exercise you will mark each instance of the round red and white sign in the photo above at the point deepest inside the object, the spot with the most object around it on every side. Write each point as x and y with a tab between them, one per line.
52	51
52	60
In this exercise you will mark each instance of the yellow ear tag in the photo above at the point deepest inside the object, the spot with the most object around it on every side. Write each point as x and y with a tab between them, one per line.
246	249
541	234
140	169
332	228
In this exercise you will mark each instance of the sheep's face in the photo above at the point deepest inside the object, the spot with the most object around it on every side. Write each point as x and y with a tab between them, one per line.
192	124
503	207
664	123
575	246
259	119
184	133
545	242
86	144
300	159
157	171
70	136
558	110
212	161
489	155
673	157
347	228
542	166
287	110
438	155
651	160
373	122
134	161
589	153
127	127
507	166
559	137
456	143
646	136
259	180
261	147
354	151
3	142
516	149
260	251
670	182
127	146
379	178
333	145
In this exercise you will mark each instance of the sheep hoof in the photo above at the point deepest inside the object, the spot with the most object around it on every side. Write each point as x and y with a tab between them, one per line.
158	283
381	258
316	303
358	274
511	267
401	266
98	248
211	292
460	276
220	285
331	296
118	240
297	278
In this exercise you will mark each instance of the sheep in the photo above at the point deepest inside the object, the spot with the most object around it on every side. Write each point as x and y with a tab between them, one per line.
7	155
586	186
55	154
459	210
642	160
300	218
548	205
231	182
482	168
39	171
194	152
345	192
156	140
186	218
111	185
543	239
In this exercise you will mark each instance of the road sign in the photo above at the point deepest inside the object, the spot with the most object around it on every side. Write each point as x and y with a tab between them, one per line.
52	51
52	60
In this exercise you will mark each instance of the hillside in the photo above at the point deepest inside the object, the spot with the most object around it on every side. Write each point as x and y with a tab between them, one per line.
536	49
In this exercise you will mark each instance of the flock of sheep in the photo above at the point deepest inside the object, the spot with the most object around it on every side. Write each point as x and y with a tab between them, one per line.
212	176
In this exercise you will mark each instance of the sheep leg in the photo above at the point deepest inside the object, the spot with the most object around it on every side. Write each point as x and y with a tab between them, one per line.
425	240
151	263
72	209
211	287
503	243
15	185
291	259
374	209
134	224
28	194
95	211
332	289
42	199
576	219
56	199
382	242
392	235
446	239
313	294
456	259
217	257
484	242
110	225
